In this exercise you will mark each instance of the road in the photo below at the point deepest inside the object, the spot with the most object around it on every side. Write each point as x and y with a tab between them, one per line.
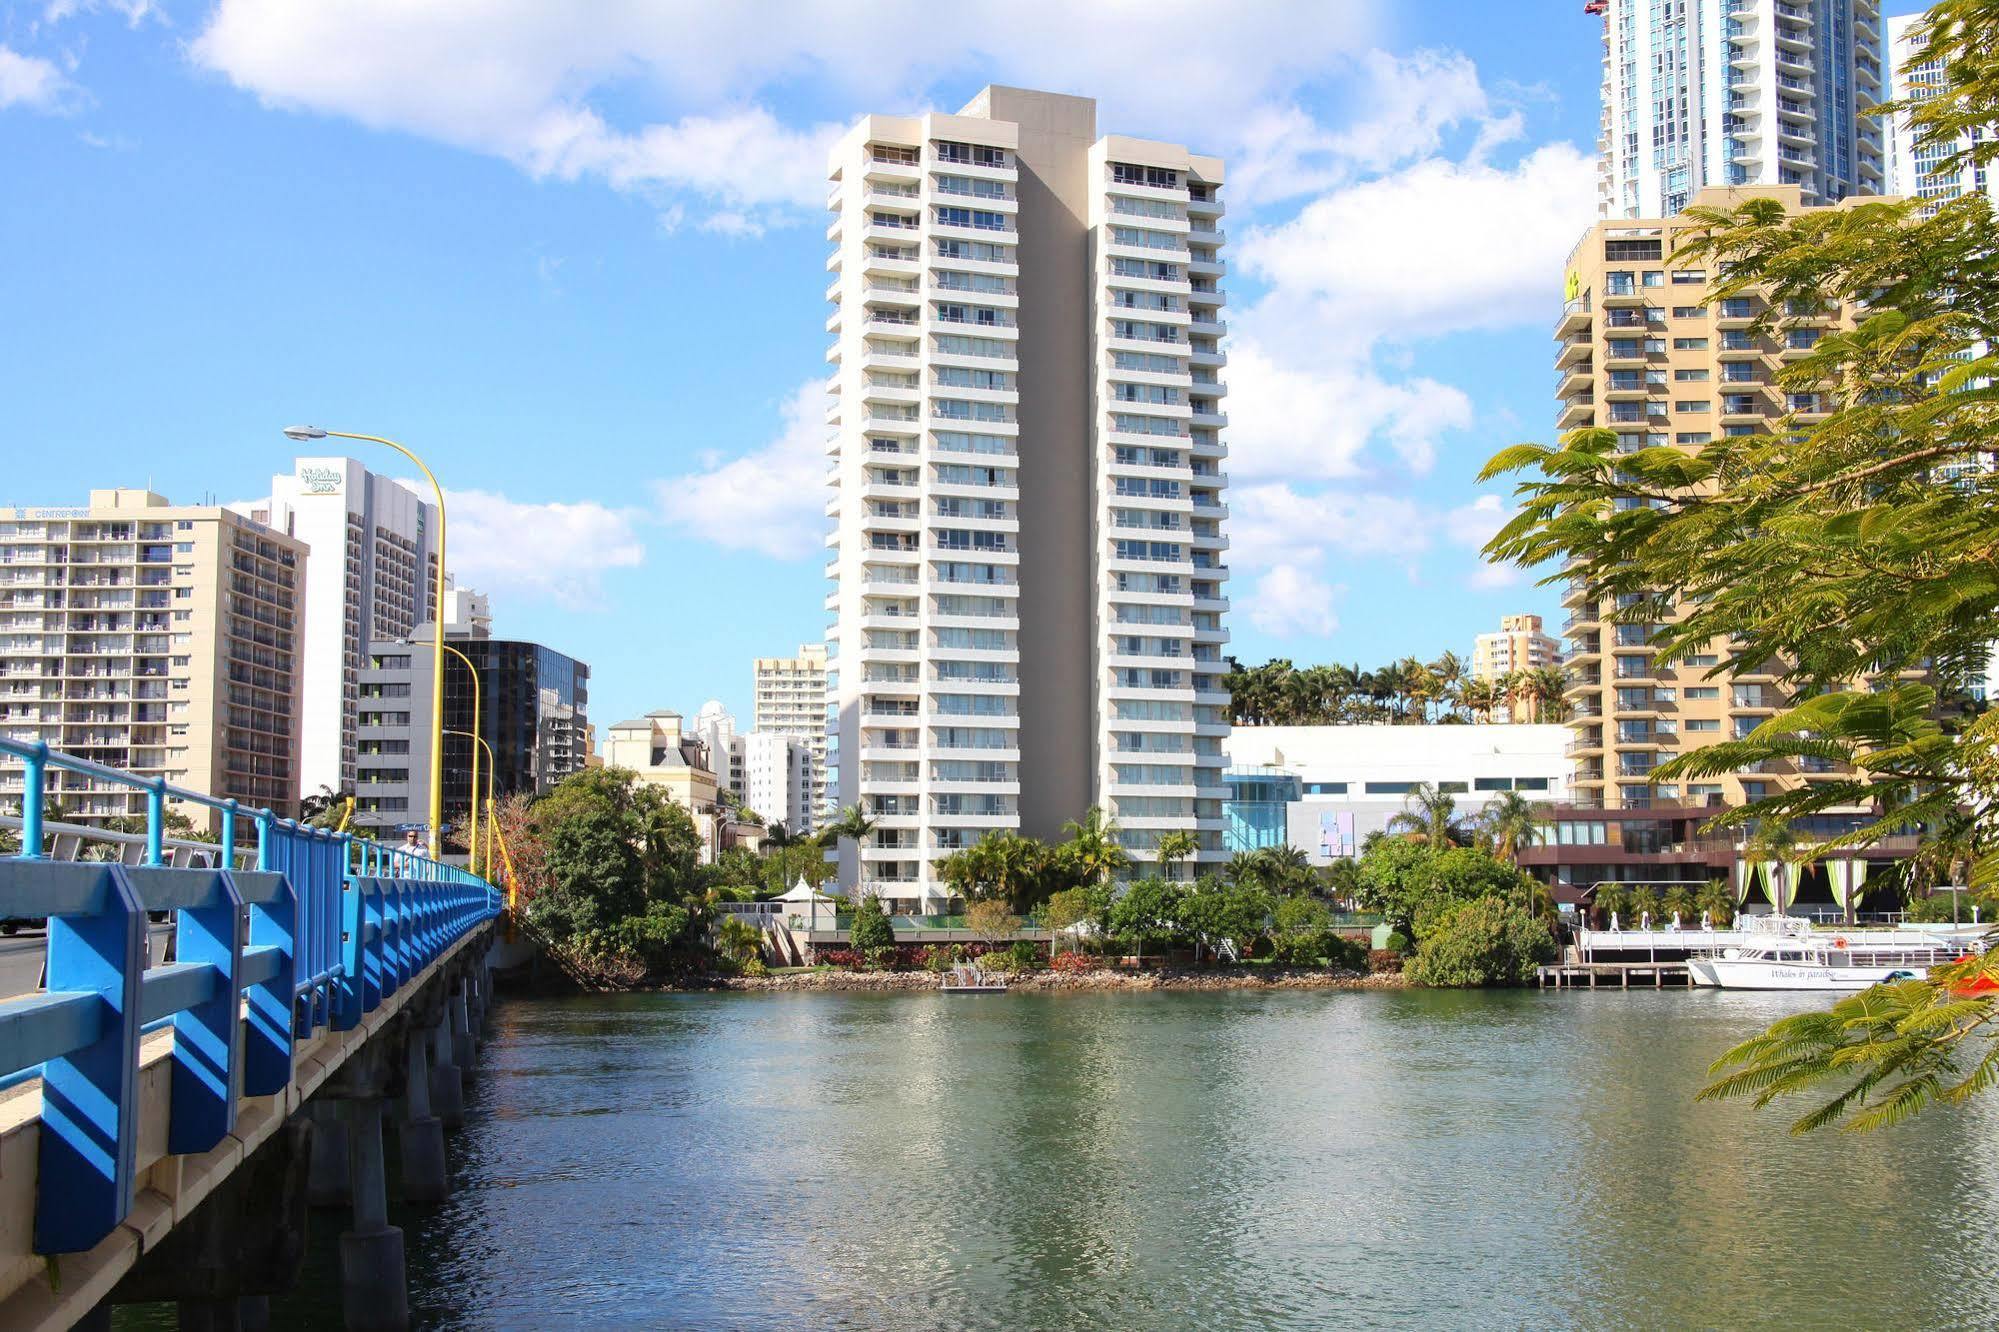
21	959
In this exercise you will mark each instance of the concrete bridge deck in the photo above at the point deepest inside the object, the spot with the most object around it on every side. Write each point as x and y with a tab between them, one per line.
163	1123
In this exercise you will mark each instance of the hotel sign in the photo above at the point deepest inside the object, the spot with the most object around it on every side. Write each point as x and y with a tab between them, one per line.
321	480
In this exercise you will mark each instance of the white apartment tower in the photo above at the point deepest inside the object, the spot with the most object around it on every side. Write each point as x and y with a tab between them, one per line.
1027	484
1701	93
790	699
1919	172
777	778
372	578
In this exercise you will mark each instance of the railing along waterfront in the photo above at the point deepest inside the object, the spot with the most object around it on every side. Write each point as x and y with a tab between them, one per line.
325	928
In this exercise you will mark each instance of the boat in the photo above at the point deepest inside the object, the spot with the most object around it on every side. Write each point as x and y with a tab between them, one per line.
966	978
1788	954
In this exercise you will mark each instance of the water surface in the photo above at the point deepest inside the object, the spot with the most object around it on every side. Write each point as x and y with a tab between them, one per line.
1239	1160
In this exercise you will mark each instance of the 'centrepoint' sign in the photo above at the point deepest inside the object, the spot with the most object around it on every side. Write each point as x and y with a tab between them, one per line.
321	480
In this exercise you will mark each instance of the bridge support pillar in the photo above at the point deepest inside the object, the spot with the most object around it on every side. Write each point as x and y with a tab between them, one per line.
374	1294
326	1175
447	1084
461	1031
421	1133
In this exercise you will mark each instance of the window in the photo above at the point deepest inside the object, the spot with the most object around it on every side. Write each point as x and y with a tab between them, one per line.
1389	788
1530	783
1692	406
1325	788
1492	784
1689	311
1692	437
1688	376
1703	724
1690	344
1700	693
1683	276
1654	278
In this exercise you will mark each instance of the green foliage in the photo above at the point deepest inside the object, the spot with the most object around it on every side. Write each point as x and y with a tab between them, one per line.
1890	1052
1486	941
621	872
1093	846
1429	815
1149	915
1714	898
1074	906
1217	909
1397	942
1022	955
1302	934
1278	693
1399	878
737	941
872	930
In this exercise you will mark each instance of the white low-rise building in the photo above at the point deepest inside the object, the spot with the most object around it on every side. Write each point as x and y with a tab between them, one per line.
1325	788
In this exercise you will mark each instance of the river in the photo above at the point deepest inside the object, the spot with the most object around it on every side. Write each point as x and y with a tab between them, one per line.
1211	1160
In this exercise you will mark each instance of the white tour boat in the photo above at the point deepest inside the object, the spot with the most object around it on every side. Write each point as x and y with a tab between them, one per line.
1788	954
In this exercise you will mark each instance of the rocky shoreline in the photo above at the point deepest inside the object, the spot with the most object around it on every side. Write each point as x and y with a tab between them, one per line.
1102	979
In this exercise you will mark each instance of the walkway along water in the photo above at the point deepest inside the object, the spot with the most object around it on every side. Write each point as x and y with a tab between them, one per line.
162	1126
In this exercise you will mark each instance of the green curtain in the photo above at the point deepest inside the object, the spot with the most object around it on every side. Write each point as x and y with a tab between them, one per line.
1847	878
1766	877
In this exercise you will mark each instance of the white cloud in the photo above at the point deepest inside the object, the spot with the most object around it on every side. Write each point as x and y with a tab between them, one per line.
1291	600
530	82
1304	409
773	500
546	550
32	82
1438	247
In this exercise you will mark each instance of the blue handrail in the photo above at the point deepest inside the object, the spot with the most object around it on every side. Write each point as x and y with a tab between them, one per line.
326	927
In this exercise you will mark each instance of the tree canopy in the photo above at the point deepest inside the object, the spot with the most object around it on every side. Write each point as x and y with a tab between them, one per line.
1849	548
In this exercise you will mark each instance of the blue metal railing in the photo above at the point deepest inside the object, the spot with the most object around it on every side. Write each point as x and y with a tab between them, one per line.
325	928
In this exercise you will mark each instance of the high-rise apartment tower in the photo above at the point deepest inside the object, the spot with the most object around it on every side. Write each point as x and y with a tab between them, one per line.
1027	543
1644	352
1921	172
790	699
1700	93
156	638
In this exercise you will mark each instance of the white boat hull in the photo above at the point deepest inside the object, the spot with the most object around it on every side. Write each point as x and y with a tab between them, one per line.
1747	974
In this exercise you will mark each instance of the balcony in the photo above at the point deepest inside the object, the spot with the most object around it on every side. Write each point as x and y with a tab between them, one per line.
1575	317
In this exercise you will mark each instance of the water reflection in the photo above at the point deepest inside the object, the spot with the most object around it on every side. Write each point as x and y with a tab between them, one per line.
1212	1161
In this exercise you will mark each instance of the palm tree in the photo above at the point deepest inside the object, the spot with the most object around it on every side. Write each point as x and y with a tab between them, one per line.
1715	899
1093	842
778	836
1680	900
1449	671
1430	816
1944	853
1510	819
1546	685
1774	840
1175	847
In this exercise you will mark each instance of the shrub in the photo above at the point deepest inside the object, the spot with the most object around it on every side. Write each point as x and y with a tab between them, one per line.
882	958
841	957
755	967
1397	943
1343	954
1384	962
1022	955
1072	964
872	929
1489	941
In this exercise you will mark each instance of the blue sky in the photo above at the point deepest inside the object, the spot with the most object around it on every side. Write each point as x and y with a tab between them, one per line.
579	266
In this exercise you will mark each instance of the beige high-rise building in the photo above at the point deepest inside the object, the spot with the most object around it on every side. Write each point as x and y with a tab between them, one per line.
1027	544
790	699
1520	645
159	639
1642	351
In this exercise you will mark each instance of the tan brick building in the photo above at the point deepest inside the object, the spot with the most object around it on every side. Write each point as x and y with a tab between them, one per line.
1642	351
160	639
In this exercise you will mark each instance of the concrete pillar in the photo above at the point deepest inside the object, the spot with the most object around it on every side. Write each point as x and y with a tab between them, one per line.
461	1031
447	1084
326	1175
373	1292
421	1133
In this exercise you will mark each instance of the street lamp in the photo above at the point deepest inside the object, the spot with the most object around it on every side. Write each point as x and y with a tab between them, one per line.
472	798
491	764
306	433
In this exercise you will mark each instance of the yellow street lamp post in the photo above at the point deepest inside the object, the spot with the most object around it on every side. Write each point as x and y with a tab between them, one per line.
303	433
472	797
479	743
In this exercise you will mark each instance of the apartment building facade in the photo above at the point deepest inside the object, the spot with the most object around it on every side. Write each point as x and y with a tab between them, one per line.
532	710
1922	172
157	638
1520	645
1027	546
373	576
1714	93
789	696
1643	352
777	778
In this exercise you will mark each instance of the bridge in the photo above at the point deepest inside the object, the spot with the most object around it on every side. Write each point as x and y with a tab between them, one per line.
164	1124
